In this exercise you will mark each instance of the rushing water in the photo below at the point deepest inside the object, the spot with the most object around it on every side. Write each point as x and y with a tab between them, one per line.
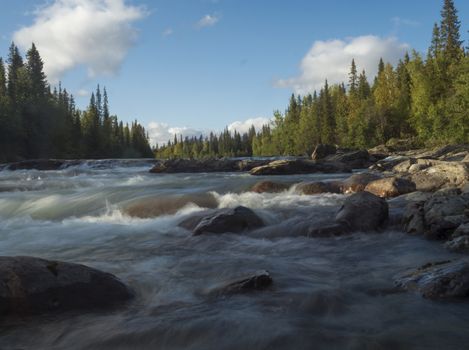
328	293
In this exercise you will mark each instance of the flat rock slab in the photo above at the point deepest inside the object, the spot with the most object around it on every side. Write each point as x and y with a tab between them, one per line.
31	286
300	166
437	281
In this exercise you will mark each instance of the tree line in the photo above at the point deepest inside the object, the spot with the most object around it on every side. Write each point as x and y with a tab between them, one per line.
37	121
423	99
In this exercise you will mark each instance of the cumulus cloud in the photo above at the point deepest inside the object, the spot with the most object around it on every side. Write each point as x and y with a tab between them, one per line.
93	33
331	60
244	126
208	21
160	133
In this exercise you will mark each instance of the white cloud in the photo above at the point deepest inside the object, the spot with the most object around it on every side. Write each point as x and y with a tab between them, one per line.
244	126
160	133
208	21
331	60
93	33
167	32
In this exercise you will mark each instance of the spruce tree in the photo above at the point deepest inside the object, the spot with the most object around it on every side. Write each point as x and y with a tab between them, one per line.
449	30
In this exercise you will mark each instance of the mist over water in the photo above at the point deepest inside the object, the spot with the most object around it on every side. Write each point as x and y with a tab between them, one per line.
328	293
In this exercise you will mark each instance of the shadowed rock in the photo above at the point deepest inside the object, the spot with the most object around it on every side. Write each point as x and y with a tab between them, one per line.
37	164
442	280
180	165
322	151
228	220
363	211
34	286
261	280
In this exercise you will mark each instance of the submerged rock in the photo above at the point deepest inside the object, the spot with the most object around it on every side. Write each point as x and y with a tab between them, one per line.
363	211
228	220
390	187
299	166
269	187
31	285
261	280
37	164
442	280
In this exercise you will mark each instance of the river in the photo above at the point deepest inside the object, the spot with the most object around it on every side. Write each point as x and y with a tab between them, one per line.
328	293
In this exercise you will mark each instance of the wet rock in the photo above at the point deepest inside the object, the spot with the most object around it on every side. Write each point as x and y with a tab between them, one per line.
363	211
463	229
329	230
322	151
259	281
443	214
390	187
205	165
232	220
317	187
299	166
388	163
358	182
443	280
355	159
34	286
37	164
414	218
458	244
269	187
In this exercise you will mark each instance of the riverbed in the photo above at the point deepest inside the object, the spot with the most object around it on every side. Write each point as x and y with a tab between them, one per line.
328	293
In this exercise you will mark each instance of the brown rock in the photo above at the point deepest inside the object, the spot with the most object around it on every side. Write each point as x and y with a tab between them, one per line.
358	182
390	187
270	187
310	188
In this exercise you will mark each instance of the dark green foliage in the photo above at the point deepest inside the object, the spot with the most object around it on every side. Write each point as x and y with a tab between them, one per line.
38	123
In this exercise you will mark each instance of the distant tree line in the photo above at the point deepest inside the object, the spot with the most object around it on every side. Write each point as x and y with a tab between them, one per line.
37	122
423	99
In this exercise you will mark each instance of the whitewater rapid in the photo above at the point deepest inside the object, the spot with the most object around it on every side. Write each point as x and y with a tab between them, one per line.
328	293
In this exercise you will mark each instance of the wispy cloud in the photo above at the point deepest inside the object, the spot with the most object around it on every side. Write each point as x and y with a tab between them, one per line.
167	32
398	21
208	21
83	93
331	60
94	33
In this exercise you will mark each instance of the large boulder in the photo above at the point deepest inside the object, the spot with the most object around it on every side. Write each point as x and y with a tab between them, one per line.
269	187
358	182
33	286
322	151
439	216
355	159
390	187
442	280
227	220
259	281
318	187
363	211
441	175
299	166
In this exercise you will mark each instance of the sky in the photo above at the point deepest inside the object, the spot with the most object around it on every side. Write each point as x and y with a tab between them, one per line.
192	66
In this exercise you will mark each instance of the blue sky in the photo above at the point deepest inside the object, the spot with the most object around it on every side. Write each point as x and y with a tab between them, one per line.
195	65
